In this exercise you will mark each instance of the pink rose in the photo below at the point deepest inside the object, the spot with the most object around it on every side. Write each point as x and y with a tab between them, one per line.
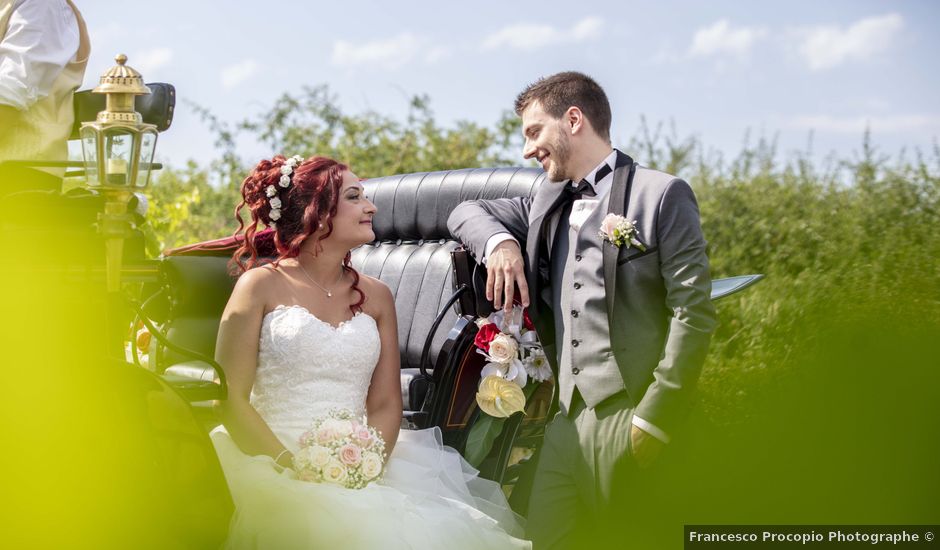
350	454
326	434
364	436
610	224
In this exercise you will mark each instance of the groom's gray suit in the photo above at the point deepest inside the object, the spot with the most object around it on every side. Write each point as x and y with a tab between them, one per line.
626	330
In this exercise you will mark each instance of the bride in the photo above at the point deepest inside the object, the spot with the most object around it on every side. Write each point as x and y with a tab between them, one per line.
307	334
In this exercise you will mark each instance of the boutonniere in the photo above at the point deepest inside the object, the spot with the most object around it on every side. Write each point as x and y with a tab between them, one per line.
619	232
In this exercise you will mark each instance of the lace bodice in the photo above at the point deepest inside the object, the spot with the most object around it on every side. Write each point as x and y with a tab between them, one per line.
307	367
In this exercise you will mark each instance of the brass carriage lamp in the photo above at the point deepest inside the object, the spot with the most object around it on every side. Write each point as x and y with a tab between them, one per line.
118	152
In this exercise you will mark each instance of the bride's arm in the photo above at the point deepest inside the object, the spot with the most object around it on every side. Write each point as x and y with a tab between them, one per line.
384	406
237	351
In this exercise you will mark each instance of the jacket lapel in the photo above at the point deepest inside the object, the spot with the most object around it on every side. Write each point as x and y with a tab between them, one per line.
544	204
618	204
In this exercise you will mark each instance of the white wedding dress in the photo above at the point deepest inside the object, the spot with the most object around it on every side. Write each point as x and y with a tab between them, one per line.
429	498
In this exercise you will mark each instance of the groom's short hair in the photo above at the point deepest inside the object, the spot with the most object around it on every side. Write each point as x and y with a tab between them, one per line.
560	91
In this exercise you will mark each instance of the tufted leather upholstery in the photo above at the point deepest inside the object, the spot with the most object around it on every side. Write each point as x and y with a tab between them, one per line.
412	251
416	206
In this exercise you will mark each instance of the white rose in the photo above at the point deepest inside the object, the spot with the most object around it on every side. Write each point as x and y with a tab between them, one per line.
335	472
503	348
270	191
275	214
286	169
340	428
275	202
318	456
284	181
371	465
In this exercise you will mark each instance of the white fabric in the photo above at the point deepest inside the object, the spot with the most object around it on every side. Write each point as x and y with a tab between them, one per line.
42	38
651	429
429	498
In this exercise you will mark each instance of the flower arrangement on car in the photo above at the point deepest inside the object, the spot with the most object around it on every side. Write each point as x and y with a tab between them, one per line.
514	355
341	449
516	367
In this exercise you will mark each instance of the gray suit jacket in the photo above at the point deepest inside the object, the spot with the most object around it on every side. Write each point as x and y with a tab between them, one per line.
656	303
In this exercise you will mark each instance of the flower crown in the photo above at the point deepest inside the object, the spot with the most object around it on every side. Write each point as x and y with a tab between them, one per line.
272	192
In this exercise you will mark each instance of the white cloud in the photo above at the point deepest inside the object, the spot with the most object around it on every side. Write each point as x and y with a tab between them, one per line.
148	61
858	124
827	46
391	53
233	75
436	54
530	37
721	38
587	28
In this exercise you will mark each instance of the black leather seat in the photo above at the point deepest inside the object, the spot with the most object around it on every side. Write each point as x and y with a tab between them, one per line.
412	255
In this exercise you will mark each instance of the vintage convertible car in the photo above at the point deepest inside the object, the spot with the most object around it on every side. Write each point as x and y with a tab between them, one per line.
167	387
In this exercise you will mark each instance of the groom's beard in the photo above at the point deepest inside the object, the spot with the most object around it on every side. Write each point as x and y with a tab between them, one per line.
560	155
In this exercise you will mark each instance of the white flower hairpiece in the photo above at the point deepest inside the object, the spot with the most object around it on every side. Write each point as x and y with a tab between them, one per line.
286	171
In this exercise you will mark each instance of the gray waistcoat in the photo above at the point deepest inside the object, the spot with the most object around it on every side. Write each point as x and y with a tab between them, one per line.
582	331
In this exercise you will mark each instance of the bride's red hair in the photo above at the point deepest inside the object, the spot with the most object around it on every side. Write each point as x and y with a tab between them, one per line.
309	201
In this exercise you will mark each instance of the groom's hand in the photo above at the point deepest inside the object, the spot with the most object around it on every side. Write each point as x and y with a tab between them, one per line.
505	269
646	447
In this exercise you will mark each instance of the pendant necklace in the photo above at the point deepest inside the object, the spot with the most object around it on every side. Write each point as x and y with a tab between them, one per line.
329	294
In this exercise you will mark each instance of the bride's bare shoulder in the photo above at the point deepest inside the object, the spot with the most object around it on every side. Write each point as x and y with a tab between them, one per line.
257	282
379	299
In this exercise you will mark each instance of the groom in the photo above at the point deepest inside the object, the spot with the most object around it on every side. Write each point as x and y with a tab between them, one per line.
625	324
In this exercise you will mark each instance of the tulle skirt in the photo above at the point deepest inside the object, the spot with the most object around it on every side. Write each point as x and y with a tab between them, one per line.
429	498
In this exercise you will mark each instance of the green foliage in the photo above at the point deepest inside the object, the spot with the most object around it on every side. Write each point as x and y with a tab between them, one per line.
185	208
856	243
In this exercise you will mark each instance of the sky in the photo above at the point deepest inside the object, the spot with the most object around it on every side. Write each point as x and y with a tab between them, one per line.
717	70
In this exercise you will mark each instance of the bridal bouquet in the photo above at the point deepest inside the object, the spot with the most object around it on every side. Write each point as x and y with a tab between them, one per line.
342	449
514	355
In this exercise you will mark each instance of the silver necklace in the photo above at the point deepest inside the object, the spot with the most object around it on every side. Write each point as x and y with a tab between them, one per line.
329	294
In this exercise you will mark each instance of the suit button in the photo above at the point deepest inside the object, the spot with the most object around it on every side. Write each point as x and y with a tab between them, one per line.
577	286
577	258
575	343
575	370
574	313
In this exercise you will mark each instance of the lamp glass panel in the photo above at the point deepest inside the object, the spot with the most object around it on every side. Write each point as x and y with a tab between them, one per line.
118	153
148	140
90	153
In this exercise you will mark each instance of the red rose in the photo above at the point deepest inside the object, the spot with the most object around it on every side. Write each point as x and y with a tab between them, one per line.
485	335
526	320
